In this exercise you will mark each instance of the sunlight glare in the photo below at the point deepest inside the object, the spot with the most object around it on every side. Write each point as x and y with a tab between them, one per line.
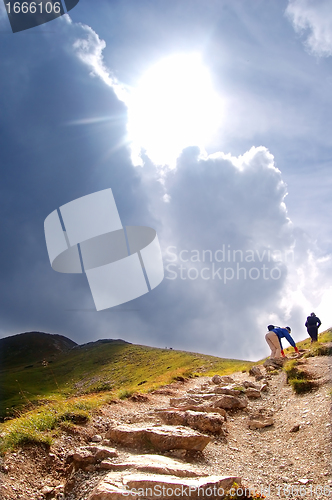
174	106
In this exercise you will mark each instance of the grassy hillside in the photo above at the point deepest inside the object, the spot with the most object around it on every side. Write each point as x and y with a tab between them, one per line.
104	366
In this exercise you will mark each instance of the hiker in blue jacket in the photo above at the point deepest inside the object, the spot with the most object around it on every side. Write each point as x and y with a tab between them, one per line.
273	338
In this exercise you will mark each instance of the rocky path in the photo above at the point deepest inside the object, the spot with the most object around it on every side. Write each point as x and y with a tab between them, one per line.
200	433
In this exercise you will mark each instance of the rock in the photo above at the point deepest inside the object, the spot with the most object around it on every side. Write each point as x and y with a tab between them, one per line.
255	371
96	438
83	457
46	490
274	363
184	401
295	428
227	390
139	398
261	418
105	490
231	402
259	424
155	464
207	408
196	488
264	388
204	422
102	452
218	379
253	393
161	438
151	486
248	384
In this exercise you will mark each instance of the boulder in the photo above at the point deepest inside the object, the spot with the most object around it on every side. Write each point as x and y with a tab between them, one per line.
261	418
86	456
161	487
207	408
230	402
255	371
218	379
227	390
185	401
161	438
202	421
274	363
253	393
154	464
248	384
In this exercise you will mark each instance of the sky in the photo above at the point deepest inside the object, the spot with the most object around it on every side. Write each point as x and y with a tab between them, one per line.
211	123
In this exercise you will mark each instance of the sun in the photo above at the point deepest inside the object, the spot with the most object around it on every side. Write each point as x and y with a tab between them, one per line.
173	106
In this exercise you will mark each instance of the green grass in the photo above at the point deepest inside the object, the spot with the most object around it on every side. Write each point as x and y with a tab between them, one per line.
297	378
34	427
106	367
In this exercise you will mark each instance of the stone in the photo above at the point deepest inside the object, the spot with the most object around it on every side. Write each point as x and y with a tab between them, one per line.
218	379
184	401
231	402
259	419
155	464
96	438
83	457
248	384
102	452
193	487
253	393
227	390
105	490
255	371
111	487
46	490
264	388
202	421
295	428
207	408
274	363
161	438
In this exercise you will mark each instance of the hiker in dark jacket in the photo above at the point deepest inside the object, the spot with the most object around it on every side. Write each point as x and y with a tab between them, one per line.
312	324
273	338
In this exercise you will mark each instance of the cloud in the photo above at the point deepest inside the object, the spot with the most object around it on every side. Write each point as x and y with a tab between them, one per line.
234	260
89	49
314	19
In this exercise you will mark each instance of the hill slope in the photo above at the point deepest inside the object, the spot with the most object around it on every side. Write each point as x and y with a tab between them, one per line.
105	365
31	347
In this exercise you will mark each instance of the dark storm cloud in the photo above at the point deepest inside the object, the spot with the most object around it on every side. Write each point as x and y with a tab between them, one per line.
46	164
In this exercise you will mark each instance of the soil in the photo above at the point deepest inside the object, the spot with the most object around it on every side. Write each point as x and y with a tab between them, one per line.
294	453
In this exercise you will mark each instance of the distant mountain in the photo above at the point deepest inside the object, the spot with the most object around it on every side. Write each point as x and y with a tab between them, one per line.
32	347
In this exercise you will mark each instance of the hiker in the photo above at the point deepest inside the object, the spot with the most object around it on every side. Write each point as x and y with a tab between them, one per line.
273	338
312	324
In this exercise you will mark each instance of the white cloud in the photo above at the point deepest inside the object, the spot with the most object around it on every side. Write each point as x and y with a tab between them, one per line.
313	18
89	49
220	204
